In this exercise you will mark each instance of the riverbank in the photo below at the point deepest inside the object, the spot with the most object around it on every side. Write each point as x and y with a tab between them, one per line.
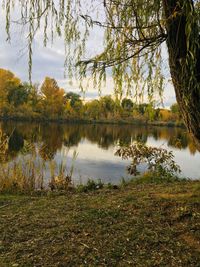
137	224
129	121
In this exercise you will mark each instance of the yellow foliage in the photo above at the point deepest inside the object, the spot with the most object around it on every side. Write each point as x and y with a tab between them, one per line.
166	115
68	108
53	97
7	81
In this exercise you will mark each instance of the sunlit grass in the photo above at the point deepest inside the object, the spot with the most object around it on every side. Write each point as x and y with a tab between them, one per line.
21	176
30	173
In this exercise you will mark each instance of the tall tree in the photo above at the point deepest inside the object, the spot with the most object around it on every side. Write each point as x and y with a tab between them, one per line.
134	33
8	84
183	42
53	97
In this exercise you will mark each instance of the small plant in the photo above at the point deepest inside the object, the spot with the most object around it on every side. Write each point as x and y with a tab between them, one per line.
123	182
155	178
159	161
60	182
63	179
90	186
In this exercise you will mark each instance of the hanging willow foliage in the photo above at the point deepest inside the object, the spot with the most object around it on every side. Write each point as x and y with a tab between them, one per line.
54	18
133	35
134	31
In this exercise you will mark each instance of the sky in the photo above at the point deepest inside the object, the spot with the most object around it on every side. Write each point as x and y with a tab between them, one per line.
49	61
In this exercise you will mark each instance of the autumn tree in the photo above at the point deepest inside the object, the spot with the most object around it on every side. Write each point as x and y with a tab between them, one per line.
8	84
93	109
53	98
134	33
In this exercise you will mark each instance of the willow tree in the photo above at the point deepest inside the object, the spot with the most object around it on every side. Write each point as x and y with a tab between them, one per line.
134	33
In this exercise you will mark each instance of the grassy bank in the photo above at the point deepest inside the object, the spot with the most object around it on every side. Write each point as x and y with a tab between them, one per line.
132	225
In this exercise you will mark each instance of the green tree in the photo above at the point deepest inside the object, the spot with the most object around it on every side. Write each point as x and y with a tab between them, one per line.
33	95
107	105
134	33
174	108
73	98
18	95
176	111
127	104
142	108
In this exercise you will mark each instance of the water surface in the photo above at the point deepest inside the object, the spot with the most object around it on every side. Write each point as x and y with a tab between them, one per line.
95	146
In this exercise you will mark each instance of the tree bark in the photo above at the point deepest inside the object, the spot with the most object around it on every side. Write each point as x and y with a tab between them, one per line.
185	77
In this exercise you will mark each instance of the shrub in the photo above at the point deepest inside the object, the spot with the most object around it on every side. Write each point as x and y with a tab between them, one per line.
90	186
159	161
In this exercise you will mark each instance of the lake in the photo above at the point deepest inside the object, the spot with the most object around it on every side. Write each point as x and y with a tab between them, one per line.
88	149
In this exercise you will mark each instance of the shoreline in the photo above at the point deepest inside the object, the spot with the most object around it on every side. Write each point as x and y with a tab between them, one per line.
169	124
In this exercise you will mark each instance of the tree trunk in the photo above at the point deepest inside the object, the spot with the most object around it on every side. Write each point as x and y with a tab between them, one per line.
185	77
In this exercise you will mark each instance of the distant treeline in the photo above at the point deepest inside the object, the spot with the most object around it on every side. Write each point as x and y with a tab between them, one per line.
50	102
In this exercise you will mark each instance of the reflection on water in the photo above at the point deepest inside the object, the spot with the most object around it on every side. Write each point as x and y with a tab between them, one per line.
95	145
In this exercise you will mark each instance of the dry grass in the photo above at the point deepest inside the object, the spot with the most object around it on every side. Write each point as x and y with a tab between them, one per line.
137	225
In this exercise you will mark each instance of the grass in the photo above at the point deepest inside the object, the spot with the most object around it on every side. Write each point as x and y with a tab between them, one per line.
137	224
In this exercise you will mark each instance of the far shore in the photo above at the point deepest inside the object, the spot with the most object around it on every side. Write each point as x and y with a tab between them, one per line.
93	121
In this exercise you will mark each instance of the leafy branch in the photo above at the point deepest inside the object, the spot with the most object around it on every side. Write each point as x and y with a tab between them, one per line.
159	161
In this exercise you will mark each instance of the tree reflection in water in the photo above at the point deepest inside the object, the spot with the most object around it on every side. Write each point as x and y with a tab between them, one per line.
50	138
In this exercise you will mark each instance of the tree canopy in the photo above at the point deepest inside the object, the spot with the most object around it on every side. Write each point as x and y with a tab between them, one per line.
134	33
